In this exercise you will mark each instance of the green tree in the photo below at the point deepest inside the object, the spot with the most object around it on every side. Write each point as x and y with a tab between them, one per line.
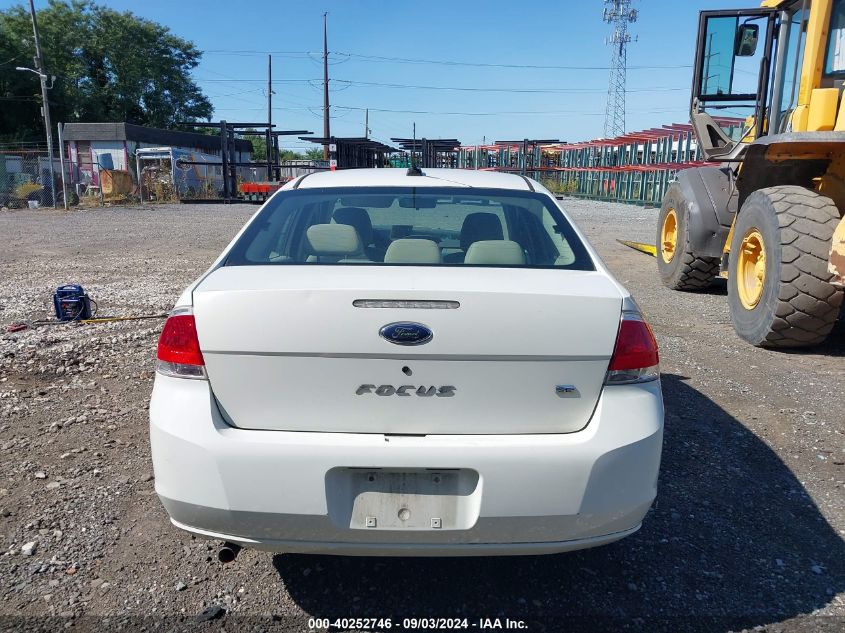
259	146
19	94
109	66
289	154
315	153
259	150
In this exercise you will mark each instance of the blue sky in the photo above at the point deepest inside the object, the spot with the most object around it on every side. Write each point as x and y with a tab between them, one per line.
558	33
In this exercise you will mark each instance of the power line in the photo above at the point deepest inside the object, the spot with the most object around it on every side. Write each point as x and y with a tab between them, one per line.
262	80
512	90
224	51
362	84
235	94
312	109
443	62
240	109
440	62
292	99
500	113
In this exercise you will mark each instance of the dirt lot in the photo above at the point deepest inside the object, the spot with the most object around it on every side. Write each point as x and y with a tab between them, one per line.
747	531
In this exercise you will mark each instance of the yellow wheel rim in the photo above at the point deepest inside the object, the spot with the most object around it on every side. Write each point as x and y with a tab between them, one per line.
669	236
751	269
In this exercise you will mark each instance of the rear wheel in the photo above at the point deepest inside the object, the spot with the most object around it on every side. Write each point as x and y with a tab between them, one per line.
679	267
779	291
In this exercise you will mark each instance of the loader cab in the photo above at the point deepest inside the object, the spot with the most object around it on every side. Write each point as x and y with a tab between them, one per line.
771	70
731	79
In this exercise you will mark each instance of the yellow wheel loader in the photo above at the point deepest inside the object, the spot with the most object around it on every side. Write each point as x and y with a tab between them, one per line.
770	218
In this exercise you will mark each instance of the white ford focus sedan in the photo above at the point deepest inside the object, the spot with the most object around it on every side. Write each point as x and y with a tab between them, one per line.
383	363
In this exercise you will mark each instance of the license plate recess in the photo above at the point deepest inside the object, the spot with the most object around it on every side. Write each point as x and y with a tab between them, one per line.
403	499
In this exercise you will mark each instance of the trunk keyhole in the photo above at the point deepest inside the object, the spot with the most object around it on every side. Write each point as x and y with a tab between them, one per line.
407	371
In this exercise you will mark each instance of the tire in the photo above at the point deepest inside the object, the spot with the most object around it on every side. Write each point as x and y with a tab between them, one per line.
682	269
797	305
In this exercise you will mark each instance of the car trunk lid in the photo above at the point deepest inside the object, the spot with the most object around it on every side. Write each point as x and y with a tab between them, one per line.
287	348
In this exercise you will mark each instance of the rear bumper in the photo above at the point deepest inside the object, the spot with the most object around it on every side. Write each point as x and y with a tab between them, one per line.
535	493
411	549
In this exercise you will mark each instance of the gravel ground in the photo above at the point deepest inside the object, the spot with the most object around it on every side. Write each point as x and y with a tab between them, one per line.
747	530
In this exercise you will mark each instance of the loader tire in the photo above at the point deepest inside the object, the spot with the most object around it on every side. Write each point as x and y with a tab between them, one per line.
679	267
792	302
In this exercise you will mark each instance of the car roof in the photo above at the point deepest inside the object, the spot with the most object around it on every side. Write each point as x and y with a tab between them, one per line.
390	177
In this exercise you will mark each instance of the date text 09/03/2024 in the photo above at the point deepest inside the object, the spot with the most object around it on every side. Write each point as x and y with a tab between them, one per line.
380	624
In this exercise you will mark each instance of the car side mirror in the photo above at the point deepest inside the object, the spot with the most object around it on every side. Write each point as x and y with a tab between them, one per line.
747	36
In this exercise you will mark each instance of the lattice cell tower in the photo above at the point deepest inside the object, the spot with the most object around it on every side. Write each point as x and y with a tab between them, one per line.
620	14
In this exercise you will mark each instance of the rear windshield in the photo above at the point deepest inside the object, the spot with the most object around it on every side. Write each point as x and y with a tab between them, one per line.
411	227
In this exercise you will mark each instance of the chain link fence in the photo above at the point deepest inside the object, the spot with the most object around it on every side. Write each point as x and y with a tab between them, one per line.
153	175
25	179
171	174
198	181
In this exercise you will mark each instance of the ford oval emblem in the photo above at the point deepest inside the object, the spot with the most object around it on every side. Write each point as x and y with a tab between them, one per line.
406	333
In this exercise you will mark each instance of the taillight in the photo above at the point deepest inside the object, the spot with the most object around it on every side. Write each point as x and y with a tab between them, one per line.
179	352
635	357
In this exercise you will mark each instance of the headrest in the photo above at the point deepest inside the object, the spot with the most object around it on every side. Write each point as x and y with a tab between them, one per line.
480	226
567	255
495	253
412	251
359	218
339	240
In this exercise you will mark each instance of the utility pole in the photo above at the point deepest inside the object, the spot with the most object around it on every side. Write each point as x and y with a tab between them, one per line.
268	137
60	130
367	123
224	158
45	107
524	156
326	126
